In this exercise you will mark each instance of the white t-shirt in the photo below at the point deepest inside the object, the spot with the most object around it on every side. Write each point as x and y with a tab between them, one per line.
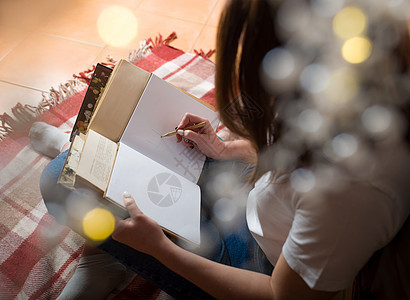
328	237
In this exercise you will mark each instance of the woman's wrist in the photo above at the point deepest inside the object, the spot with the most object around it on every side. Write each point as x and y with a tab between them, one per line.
237	150
221	150
163	249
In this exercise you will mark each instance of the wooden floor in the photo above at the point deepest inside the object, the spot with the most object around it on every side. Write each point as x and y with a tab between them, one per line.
44	42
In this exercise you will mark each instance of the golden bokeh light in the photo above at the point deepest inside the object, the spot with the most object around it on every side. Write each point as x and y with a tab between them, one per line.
349	22
117	26
356	50
98	224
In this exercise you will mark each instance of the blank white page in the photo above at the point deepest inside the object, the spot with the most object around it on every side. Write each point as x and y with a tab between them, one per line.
168	198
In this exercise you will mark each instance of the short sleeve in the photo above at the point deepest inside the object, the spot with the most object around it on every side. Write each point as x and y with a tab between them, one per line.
333	236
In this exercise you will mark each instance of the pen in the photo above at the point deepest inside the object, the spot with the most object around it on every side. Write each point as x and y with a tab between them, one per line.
198	125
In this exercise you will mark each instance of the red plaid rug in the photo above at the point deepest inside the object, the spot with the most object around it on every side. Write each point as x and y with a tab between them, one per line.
37	255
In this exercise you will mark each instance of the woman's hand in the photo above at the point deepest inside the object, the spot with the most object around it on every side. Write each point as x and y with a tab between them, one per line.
209	143
139	231
204	138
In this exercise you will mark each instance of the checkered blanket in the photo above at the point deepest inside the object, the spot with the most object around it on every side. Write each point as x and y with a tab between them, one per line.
37	255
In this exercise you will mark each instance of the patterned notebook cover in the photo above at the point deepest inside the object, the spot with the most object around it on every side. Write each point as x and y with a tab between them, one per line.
95	88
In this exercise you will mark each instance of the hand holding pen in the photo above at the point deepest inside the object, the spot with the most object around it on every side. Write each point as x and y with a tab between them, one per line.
181	131
202	136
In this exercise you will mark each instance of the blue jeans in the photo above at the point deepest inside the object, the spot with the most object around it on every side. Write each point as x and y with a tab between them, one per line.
234	247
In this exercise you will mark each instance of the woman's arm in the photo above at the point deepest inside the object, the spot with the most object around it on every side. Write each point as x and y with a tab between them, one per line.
239	149
223	282
209	144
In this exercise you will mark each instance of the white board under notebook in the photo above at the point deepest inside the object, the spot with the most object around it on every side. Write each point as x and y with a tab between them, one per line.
165	196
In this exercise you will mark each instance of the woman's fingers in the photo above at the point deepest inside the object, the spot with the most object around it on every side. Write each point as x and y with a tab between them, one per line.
190	119
203	138
130	204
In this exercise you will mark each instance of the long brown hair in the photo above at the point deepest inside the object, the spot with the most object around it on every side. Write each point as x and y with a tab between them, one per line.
245	34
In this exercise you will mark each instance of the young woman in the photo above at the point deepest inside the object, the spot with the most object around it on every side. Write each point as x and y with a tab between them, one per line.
329	184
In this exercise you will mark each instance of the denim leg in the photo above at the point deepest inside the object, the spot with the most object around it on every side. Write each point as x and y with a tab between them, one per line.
243	251
55	196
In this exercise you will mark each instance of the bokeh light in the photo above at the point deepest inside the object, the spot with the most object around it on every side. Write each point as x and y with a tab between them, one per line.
314	78
399	8
342	87
98	224
80	202
278	64
117	26
336	79
356	50
310	120
349	22
293	15
326	8
344	145
225	210
376	119
223	184
302	180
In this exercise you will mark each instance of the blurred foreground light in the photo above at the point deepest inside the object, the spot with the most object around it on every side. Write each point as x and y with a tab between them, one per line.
223	184
310	120
80	202
278	64
326	8
344	145
395	3
58	212
302	180
343	86
399	8
314	78
225	210
349	22
117	26
98	224
293	15
356	50
377	119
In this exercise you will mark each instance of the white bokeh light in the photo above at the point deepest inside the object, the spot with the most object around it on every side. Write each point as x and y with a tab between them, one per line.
225	210
302	180
394	3
310	120
399	8
293	15
80	202
278	63
326	8
376	119
344	145
223	184
314	78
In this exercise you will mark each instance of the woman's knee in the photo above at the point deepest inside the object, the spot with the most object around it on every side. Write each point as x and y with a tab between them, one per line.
49	177
54	194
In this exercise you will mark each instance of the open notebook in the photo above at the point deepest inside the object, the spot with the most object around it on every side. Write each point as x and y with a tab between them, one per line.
160	173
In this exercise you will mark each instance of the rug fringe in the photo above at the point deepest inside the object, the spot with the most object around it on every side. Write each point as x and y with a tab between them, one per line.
161	42
133	55
23	115
142	51
206	55
85	76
